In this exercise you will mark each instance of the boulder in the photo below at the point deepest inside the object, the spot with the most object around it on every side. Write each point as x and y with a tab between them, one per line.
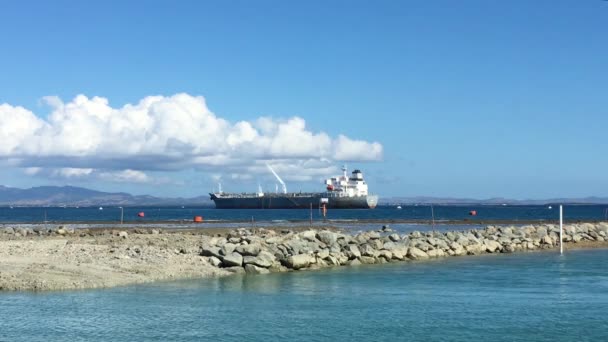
122	234
309	235
215	261
352	251
354	262
327	237
394	237
298	261
373	235
367	250
263	259
232	259
207	250
399	253
367	260
235	270
416	254
227	248
253	269
388	255
332	260
435	253
547	240
251	249
492	246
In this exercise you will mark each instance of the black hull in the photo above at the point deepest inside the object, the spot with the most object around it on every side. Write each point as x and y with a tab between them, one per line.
294	202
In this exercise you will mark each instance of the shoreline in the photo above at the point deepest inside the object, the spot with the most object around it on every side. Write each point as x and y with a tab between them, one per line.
62	258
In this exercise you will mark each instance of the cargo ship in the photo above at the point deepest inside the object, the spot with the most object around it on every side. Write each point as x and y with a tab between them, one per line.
341	192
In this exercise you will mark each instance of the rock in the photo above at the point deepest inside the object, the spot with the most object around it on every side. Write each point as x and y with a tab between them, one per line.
399	253
367	260
492	246
577	238
227	248
547	240
416	254
61	231
387	255
232	259
298	261
327	237
207	250
332	260
263	259
352	251
354	262
123	234
373	235
394	237
475	249
215	261
235	270
252	249
253	269
508	249
155	232
324	253
367	250
309	235
435	253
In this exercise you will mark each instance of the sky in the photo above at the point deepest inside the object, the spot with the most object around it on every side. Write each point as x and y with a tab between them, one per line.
470	98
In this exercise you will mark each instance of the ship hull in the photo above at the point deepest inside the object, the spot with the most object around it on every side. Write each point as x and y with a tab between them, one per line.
294	202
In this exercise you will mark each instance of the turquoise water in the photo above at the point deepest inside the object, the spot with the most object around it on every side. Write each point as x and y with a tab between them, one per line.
519	297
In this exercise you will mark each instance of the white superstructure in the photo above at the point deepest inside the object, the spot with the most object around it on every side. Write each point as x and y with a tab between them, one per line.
353	186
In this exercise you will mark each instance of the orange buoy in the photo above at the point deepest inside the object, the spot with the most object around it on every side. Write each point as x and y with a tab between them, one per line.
473	212
141	214
198	219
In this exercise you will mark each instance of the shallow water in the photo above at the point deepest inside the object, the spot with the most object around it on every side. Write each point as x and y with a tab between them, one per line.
538	296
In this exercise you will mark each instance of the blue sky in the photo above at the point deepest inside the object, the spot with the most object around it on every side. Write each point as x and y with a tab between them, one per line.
467	98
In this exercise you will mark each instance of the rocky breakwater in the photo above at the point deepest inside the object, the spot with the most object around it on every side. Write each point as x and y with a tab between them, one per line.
265	251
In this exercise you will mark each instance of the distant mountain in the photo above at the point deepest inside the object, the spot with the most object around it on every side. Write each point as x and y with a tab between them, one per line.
71	196
76	196
489	201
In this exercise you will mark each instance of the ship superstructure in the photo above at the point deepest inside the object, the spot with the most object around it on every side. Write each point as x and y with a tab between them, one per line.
342	191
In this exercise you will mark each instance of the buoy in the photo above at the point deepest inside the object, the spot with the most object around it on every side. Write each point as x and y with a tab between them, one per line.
141	214
198	219
473	212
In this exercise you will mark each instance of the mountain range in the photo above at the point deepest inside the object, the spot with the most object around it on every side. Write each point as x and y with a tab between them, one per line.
77	196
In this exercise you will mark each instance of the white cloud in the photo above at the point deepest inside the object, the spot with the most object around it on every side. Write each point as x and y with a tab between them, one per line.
87	137
127	176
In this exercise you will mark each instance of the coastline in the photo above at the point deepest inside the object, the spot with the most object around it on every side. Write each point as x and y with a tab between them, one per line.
62	258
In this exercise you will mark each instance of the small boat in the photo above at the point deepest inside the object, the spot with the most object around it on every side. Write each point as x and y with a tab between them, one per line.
100	208
549	207
398	207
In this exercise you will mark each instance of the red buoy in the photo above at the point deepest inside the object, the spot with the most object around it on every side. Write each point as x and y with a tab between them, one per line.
141	214
198	219
473	212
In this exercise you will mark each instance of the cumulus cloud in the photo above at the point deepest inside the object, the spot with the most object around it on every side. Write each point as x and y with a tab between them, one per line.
88	137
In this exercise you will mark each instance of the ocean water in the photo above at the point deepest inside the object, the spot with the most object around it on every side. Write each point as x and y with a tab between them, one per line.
280	216
537	296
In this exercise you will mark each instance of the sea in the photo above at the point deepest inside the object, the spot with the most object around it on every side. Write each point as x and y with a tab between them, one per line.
530	296
406	219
